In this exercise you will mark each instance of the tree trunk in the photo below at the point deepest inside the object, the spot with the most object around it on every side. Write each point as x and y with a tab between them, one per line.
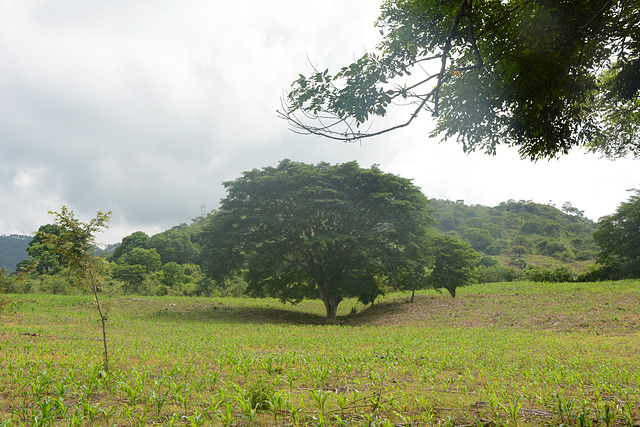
413	293
331	305
452	291
102	319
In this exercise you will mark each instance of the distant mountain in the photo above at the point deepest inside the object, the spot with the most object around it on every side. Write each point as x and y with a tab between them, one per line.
106	249
13	249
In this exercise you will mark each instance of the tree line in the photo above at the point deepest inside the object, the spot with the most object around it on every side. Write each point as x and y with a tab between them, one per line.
299	231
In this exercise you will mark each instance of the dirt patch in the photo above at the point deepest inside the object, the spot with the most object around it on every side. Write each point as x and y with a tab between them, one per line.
598	312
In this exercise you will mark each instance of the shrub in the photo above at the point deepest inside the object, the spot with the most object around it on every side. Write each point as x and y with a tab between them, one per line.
498	273
558	274
487	261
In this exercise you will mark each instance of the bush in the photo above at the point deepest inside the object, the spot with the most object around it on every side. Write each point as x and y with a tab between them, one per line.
498	273
55	285
557	275
609	270
585	255
487	261
496	248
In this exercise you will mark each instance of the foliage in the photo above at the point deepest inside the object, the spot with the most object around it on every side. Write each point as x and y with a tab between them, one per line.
137	239
553	238
43	254
518	228
176	245
479	239
498	273
5	302
542	76
76	246
148	258
558	275
300	231
173	274
132	275
618	236
454	263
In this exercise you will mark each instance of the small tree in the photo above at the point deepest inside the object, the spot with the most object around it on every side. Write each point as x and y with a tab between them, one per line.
413	268
173	274
132	275
454	264
47	260
76	247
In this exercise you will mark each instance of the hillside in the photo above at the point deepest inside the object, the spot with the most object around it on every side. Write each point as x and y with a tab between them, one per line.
530	233
520	229
13	249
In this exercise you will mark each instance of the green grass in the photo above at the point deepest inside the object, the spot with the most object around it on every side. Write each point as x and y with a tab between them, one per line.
499	354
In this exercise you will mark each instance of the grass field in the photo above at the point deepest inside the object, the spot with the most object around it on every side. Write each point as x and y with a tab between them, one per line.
499	354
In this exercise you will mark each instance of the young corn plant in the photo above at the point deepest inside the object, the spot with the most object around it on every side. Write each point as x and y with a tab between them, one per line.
226	416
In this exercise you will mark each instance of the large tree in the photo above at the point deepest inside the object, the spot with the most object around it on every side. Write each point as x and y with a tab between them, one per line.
137	239
541	75
299	231
454	263
618	236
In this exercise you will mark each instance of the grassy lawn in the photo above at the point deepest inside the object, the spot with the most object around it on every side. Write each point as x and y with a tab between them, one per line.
498	354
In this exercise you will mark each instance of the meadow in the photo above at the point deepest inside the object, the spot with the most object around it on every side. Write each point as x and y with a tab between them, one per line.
527	354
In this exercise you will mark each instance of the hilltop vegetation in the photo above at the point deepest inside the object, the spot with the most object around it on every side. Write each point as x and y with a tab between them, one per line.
519	228
517	240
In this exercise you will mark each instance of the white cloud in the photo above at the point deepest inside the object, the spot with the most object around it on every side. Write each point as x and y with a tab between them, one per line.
144	108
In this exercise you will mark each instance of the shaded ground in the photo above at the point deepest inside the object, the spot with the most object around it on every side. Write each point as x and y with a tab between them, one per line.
595	310
611	313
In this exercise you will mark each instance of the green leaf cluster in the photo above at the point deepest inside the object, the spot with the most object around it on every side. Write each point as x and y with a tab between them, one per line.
619	239
543	76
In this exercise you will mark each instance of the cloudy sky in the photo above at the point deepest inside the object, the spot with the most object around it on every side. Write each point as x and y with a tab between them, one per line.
144	108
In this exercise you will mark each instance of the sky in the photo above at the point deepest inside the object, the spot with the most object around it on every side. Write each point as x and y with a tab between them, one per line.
144	108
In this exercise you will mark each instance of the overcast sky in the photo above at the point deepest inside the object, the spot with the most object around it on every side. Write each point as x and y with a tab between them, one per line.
144	108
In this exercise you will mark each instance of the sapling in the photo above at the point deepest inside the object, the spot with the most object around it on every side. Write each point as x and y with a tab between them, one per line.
76	246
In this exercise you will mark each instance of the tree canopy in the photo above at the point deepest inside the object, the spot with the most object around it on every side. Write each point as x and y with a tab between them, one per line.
454	263
618	236
300	231
540	75
47	260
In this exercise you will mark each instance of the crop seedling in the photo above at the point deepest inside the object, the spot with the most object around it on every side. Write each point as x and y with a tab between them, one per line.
188	365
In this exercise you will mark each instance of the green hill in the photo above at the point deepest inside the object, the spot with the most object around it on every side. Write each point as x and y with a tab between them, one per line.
538	234
13	249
